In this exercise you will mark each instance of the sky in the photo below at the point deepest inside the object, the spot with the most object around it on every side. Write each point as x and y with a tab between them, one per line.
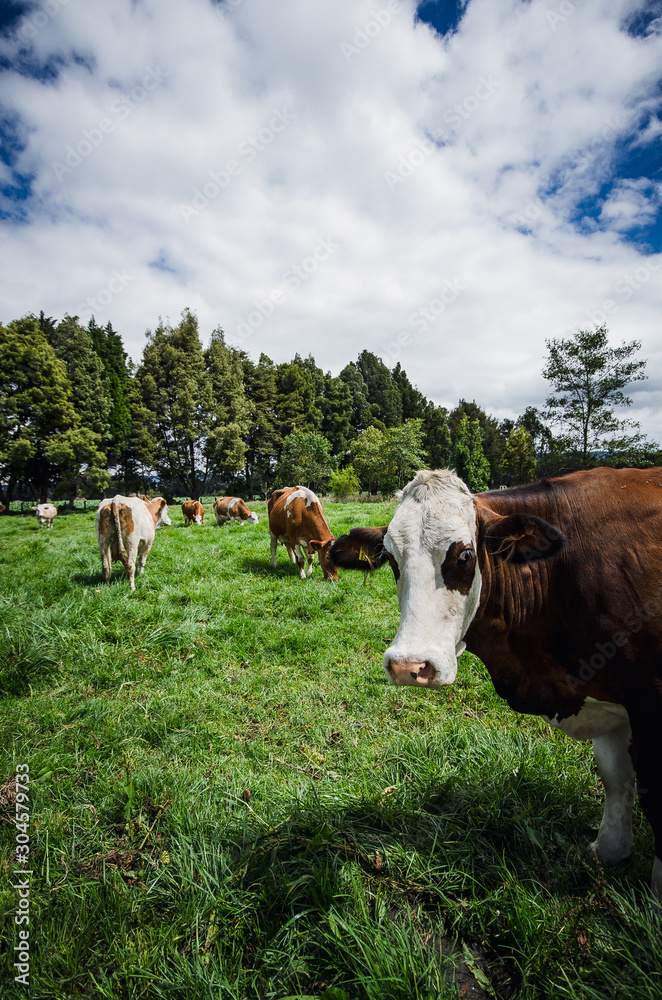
446	184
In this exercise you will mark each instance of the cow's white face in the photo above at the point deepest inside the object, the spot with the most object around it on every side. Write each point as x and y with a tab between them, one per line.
432	544
163	518
198	518
253	518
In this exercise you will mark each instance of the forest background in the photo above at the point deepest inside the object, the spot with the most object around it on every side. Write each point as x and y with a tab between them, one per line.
78	418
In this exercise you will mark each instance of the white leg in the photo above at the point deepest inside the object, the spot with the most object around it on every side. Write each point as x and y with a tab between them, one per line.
614	840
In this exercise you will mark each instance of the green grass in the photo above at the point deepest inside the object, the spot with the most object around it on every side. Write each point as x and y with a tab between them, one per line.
230	801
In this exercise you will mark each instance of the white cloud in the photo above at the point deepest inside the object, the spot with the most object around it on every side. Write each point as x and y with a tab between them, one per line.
527	114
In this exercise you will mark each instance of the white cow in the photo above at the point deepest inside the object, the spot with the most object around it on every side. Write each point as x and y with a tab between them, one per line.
125	529
46	514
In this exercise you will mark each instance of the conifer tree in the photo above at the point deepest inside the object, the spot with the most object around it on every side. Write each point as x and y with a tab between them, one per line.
263	440
35	407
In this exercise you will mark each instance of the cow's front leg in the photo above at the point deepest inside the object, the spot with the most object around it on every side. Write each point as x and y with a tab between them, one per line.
274	546
300	561
311	555
612	756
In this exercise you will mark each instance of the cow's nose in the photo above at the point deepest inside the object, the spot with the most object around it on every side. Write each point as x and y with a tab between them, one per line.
408	672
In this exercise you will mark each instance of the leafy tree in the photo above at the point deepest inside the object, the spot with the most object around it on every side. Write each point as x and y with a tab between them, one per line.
382	392
493	441
588	377
344	483
540	433
519	457
36	407
468	456
401	454
436	436
263	439
305	460
367	458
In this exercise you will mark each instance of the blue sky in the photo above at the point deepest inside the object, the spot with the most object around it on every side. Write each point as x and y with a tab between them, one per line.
446	184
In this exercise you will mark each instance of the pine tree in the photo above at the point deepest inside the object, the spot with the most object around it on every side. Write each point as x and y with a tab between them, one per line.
362	414
414	403
297	398
35	407
108	346
336	406
225	448
382	392
263	440
437	436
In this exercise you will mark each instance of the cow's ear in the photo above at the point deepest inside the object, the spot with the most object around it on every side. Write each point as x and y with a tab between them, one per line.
362	548
518	538
315	544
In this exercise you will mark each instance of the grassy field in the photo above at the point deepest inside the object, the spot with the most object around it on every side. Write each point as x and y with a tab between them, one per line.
228	800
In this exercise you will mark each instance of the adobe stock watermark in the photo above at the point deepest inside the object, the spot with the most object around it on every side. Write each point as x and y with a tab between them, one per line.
422	318
290	280
248	148
38	19
121	107
96	303
625	287
565	10
606	651
453	116
364	34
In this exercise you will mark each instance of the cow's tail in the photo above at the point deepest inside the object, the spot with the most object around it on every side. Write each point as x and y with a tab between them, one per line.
115	508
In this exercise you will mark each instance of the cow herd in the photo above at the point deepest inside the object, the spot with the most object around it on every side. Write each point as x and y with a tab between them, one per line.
556	586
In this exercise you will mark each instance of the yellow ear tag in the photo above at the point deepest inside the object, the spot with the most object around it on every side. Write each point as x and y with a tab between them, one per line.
361	554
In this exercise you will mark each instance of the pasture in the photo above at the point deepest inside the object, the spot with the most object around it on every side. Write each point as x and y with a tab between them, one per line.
228	799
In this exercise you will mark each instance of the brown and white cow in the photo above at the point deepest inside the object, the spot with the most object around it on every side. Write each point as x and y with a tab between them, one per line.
125	529
192	511
233	509
46	514
557	587
296	520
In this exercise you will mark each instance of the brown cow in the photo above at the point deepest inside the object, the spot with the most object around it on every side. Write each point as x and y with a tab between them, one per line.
557	587
125	529
233	509
2	507
296	520
192	511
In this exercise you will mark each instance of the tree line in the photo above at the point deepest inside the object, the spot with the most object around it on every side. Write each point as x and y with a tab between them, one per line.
78	417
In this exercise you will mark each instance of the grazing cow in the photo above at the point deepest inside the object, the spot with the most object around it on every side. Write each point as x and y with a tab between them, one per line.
296	520
233	509
125	531
557	587
46	514
192	511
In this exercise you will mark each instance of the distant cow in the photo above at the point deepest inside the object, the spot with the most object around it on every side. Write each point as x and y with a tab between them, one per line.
557	587
296	520
2	507
233	509
192	511
46	514
125	531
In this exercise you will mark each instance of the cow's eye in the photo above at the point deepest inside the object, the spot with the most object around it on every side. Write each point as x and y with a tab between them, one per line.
466	556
